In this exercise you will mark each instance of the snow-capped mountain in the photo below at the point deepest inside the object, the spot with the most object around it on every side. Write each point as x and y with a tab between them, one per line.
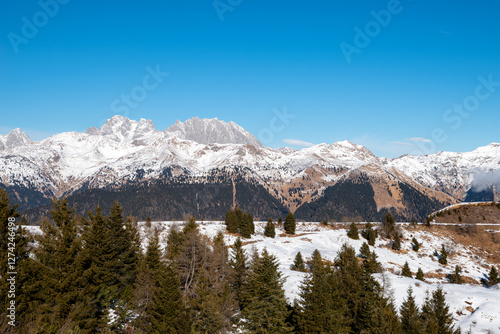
15	138
212	131
124	151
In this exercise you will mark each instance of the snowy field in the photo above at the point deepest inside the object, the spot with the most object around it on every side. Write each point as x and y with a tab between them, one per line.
474	307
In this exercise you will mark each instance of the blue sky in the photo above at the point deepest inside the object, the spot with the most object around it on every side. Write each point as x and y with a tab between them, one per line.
390	75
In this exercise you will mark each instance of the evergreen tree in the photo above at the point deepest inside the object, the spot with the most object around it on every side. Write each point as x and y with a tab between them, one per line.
167	310
321	308
369	234
365	251
190	226
386	319
441	312
280	222
410	319
290	223
353	232
388	225
14	256
443	257
371	264
265	310
298	263
239	266
231	221
493	278
357	289
406	271
246	226
420	275
270	231
416	244
213	304
456	277
427	316
396	243
56	254
317	261
175	238
96	262
251	223
125	249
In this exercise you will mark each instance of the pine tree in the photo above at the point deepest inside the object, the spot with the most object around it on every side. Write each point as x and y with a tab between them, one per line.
443	257
396	244
56	254
213	303
493	278
167	310
317	261
456	277
388	225
96	262
175	239
190	225
406	271
321	308
369	234
371	264
231	221
125	249
365	251
265	310
386	318
14	245
427	316
290	223
416	244
441	312
410	319
246	226
298	263
353	232
420	275
239	265
270	231
280	222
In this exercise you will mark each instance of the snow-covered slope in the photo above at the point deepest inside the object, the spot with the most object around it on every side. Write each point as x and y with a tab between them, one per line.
453	173
473	306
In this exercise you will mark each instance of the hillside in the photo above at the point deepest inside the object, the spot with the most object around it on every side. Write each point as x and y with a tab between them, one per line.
473	305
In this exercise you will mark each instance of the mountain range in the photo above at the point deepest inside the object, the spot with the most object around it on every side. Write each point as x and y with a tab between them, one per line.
206	166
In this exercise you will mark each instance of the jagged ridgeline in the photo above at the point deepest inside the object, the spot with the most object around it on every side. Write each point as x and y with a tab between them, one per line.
205	166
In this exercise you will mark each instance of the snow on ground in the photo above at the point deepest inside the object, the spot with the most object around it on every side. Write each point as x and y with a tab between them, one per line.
474	307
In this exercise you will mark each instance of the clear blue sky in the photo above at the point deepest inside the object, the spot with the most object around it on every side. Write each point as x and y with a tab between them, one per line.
395	90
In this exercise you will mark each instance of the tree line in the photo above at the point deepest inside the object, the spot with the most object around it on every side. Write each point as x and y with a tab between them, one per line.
91	275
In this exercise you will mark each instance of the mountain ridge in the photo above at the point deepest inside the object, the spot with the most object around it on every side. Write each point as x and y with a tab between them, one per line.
124	151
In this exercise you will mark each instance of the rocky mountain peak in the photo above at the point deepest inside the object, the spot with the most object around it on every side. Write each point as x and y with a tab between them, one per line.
15	138
122	129
212	131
